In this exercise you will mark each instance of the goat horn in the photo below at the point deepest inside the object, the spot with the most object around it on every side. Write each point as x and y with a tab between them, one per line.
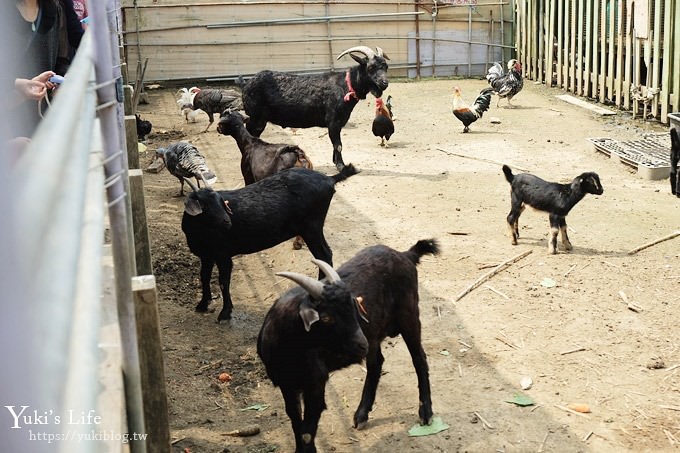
191	184
328	270
381	53
361	49
312	286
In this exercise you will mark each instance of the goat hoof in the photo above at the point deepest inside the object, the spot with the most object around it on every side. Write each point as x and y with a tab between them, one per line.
202	307
224	316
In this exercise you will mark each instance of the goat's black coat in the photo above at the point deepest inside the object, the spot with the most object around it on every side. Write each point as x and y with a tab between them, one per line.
301	101
299	362
387	283
675	158
287	204
554	198
259	159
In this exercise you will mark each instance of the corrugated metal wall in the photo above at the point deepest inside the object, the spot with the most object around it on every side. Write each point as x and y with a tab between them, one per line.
620	52
222	40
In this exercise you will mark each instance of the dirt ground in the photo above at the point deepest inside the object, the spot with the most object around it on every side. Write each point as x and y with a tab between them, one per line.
559	319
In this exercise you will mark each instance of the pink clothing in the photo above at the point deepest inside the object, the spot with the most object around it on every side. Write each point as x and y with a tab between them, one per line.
80	7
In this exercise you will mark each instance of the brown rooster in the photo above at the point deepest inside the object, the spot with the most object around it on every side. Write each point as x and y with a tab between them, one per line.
383	126
215	100
466	114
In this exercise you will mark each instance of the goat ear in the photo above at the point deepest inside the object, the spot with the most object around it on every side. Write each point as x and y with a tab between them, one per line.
192	207
308	314
359	59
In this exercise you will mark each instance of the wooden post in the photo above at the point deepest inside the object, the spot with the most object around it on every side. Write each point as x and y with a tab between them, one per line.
151	364
131	141
128	93
139	224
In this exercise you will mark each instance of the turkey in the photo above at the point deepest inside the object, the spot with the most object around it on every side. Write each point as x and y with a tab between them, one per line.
184	161
215	100
506	85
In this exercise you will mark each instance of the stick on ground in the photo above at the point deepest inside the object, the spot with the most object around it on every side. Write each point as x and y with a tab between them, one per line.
491	273
481	159
657	241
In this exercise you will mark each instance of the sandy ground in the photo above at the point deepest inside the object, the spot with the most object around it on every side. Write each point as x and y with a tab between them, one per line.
577	340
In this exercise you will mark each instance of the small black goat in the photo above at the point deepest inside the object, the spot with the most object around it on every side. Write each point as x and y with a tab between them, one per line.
323	100
223	224
307	334
675	158
384	284
551	197
259	159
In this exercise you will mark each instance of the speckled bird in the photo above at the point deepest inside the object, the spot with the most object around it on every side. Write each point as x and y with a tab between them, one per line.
184	161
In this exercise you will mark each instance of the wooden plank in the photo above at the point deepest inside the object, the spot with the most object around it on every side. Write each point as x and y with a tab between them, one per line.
602	85
151	364
587	73
572	47
629	56
579	58
595	76
620	32
560	42
541	63
131	141
665	79
610	57
139	223
675	96
551	43
656	57
586	105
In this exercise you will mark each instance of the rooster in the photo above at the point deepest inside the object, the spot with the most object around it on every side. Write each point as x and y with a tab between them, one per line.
215	100
383	126
184	161
466	114
143	128
186	106
506	85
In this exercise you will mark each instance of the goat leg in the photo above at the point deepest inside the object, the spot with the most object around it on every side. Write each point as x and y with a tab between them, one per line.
374	362
291	399
206	272
554	231
315	404
225	266
334	134
412	338
674	184
565	238
318	247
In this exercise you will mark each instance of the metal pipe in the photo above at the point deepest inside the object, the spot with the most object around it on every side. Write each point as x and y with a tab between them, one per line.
118	214
304	20
470	41
417	4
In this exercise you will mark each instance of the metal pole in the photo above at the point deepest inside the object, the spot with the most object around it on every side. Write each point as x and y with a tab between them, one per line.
417	4
115	170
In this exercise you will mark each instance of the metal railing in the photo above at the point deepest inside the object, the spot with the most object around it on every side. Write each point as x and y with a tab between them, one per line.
51	264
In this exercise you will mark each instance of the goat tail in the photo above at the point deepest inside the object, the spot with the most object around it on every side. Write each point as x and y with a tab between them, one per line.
508	173
347	171
422	247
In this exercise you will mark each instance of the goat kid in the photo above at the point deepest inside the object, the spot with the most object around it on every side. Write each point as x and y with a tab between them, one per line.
220	225
259	159
323	100
384	283
310	331
551	197
675	158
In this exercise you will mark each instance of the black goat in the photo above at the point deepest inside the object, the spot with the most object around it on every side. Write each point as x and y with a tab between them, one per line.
323	100
675	158
307	334
384	283
259	159
551	197
223	224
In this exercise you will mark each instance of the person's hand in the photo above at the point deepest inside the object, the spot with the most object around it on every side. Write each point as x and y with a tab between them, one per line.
45	78
30	89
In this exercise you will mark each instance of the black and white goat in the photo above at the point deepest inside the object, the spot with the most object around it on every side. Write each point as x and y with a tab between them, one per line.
299	354
323	100
675	159
554	198
259	159
220	225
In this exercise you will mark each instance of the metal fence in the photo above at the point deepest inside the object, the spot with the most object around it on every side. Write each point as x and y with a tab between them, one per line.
51	265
